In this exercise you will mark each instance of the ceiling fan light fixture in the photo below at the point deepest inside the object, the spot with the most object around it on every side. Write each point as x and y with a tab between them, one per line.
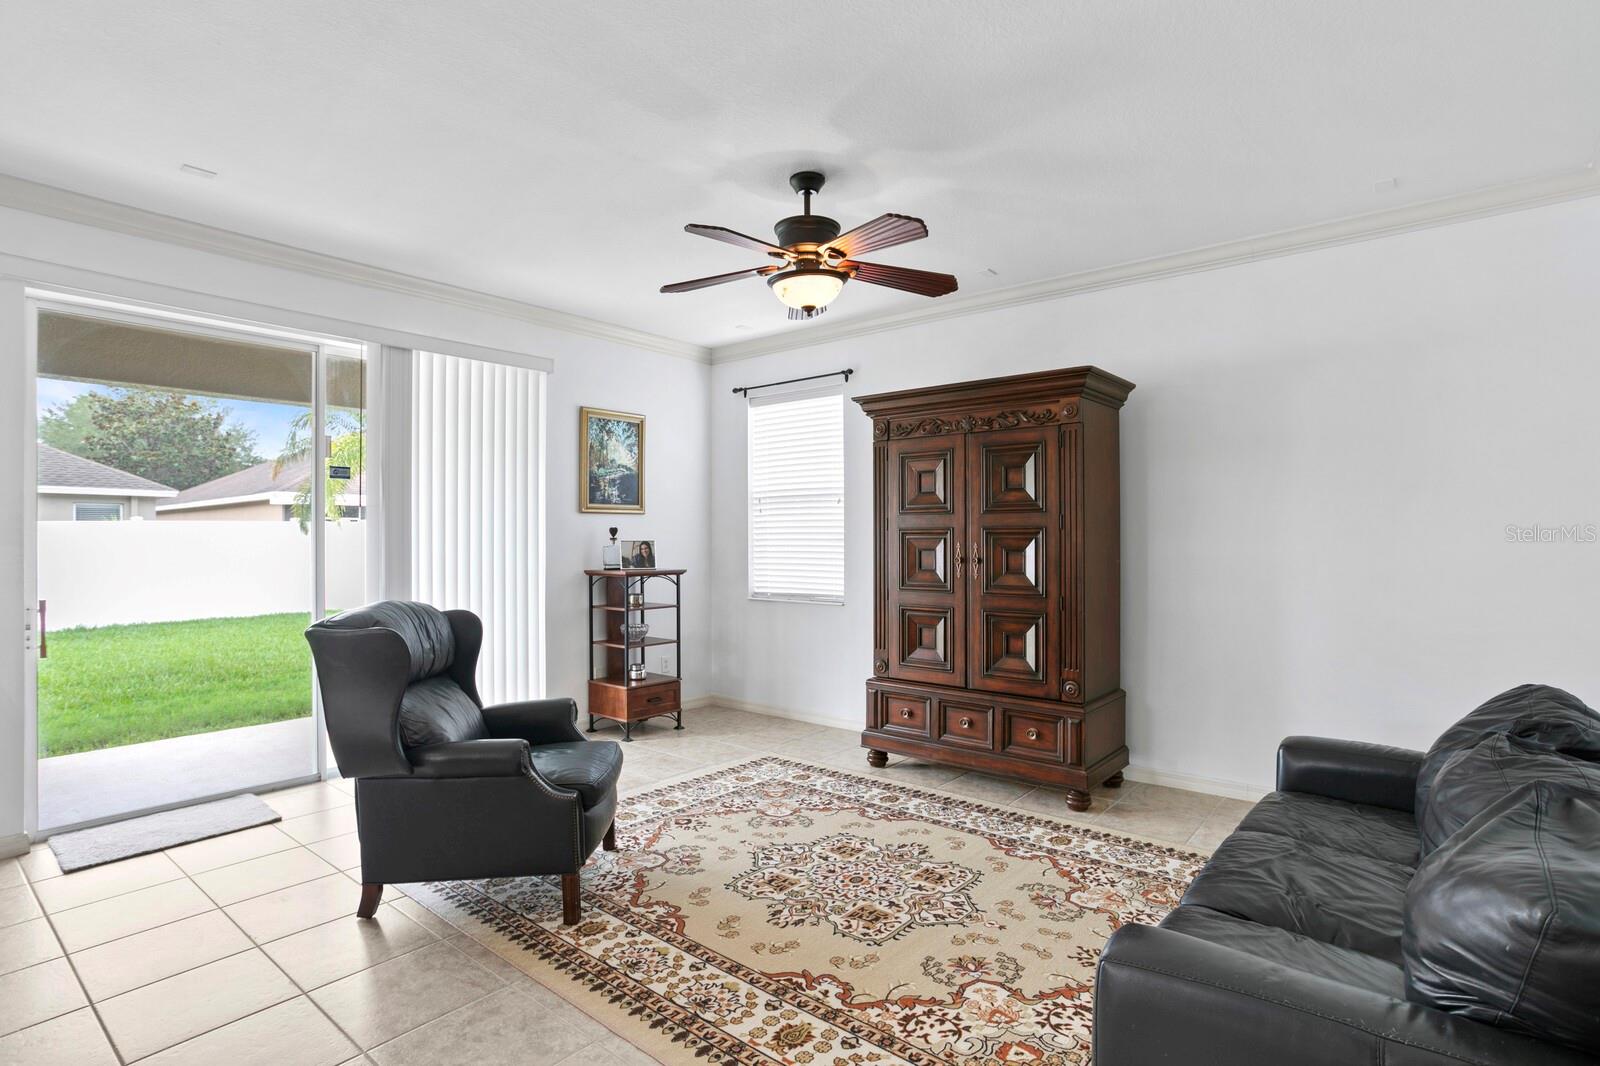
803	288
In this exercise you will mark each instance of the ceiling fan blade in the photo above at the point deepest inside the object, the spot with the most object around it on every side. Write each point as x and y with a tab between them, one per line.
728	236
921	282
885	231
719	279
799	314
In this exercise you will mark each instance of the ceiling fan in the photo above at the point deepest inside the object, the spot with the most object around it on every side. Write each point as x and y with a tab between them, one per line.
815	259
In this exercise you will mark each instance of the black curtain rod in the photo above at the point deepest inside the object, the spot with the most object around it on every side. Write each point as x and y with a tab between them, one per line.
845	373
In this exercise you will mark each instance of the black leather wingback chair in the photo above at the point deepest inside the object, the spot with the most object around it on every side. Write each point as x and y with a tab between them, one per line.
446	788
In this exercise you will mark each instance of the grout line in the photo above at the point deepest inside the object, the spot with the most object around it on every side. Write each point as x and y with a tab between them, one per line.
504	985
76	976
304	993
437	940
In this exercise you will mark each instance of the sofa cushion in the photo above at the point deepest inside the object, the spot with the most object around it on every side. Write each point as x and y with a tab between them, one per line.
1293	950
1327	894
1471	781
590	767
1502	922
436	711
1542	717
424	628
1379	832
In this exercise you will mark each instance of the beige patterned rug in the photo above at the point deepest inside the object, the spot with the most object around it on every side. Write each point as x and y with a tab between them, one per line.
777	912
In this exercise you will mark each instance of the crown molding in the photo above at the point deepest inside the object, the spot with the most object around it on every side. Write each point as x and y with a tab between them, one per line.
1481	203
40	199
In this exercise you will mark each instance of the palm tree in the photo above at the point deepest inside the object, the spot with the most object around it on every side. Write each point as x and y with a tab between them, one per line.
347	437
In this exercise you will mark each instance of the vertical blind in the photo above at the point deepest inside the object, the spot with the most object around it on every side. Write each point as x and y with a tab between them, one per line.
797	497
475	509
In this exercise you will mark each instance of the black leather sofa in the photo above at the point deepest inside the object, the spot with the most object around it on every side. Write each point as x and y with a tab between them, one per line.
1387	907
446	788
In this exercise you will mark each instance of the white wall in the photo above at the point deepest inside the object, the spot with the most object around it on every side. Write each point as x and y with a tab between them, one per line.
669	391
1319	465
672	395
111	573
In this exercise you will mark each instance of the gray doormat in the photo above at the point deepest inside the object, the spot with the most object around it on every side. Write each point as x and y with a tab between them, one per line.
153	832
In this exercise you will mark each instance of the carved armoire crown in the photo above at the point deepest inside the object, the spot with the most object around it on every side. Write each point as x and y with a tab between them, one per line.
997	569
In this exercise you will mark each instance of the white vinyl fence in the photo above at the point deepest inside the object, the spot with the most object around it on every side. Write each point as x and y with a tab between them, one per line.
109	573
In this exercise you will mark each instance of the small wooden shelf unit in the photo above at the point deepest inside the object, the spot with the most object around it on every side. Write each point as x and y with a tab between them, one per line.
611	695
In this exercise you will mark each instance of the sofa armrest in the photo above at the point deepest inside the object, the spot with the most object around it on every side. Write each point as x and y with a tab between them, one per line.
1163	996
536	721
1349	770
472	758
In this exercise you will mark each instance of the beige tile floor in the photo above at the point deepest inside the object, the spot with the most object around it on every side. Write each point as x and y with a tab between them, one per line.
243	949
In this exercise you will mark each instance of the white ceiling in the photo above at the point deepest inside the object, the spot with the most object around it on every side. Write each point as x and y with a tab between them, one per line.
552	153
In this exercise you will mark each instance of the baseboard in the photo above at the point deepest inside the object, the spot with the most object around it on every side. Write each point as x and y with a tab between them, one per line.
1209	785
809	717
15	844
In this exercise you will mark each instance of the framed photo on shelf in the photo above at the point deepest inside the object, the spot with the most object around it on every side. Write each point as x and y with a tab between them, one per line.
610	461
639	554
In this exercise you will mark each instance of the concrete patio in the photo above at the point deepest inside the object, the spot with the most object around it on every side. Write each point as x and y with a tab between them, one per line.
94	785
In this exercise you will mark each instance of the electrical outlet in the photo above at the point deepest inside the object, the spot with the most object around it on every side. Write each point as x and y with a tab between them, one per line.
661	664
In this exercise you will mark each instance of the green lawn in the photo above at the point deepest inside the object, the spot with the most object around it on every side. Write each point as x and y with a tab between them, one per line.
113	685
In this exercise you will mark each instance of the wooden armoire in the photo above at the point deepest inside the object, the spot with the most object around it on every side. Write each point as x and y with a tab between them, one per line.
997	576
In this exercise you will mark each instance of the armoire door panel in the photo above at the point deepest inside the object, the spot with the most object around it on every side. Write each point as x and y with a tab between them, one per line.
1012	561
1012	650
924	551
1013	475
927	478
1014	537
926	557
927	639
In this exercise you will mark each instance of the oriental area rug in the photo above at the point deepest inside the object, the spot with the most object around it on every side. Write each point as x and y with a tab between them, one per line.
778	912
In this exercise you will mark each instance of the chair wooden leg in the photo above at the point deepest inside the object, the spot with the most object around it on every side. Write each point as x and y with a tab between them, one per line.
370	895
610	841
570	908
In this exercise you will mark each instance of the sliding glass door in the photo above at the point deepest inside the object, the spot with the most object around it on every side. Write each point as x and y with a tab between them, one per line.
200	499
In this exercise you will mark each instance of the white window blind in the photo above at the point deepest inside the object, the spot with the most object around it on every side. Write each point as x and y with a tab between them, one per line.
97	512
797	497
475	501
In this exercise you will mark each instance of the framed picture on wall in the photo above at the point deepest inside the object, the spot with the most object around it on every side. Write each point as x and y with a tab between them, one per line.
610	461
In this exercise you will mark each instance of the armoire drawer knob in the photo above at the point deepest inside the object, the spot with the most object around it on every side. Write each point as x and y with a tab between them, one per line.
905	712
966	723
1033	734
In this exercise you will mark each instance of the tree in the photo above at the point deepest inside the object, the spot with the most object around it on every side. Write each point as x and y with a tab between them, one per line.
347	440
168	437
66	426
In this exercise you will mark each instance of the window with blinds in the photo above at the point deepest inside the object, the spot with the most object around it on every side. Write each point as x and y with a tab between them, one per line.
797	497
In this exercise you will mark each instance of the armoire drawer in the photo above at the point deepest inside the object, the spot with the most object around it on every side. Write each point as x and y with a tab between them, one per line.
908	715
966	724
1033	735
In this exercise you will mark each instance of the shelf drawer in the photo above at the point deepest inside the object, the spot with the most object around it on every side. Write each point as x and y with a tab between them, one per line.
969	725
649	698
1033	735
909	715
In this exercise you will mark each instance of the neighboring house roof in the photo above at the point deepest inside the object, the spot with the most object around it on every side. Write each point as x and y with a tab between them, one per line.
64	474
265	481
